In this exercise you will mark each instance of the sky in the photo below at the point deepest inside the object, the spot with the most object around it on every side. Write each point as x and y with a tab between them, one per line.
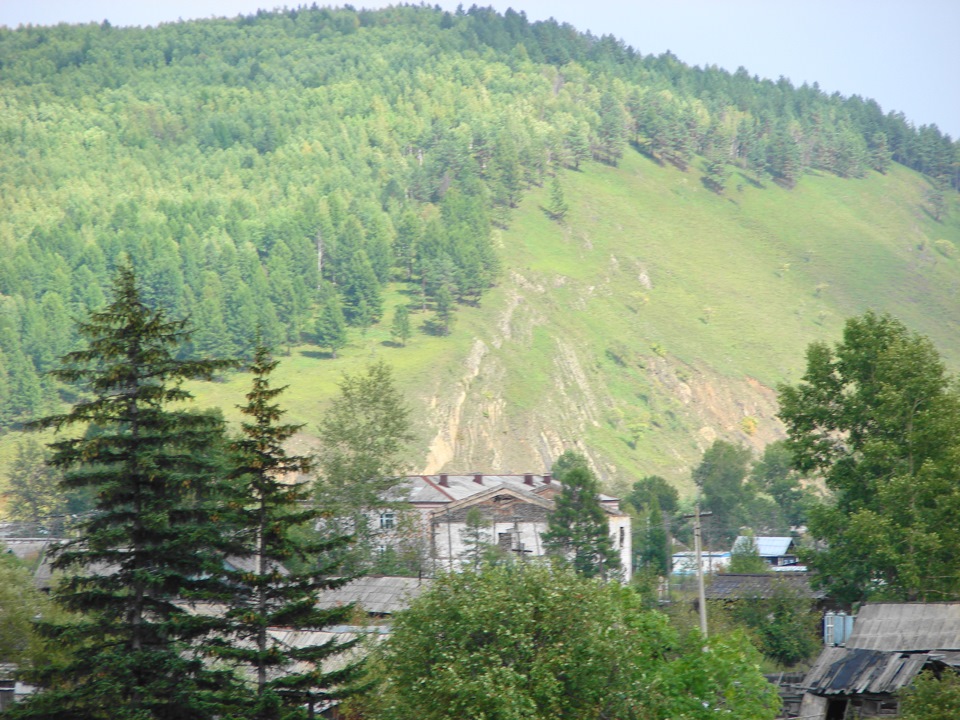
905	54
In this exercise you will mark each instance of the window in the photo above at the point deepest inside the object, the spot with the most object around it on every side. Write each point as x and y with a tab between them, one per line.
623	535
387	521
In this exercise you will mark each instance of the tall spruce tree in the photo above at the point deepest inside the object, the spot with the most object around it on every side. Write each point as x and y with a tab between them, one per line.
151	539
269	502
578	530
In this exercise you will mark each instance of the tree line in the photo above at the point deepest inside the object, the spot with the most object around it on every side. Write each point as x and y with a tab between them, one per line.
282	169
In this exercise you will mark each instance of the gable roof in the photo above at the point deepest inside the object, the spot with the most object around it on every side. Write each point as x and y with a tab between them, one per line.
494	493
766	546
445	488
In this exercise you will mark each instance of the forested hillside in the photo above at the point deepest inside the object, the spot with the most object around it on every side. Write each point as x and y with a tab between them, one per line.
309	172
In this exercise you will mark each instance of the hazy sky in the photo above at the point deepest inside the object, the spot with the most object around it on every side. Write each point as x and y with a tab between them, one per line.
905	54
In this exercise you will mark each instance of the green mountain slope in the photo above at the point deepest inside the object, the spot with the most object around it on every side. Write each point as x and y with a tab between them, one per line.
657	317
256	169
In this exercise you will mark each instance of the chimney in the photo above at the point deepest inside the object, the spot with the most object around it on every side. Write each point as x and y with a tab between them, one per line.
528	479
547	478
478	479
443	481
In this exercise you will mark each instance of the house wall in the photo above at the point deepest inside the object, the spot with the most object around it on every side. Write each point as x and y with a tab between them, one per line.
449	546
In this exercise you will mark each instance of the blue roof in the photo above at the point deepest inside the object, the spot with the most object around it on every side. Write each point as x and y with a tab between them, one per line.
766	546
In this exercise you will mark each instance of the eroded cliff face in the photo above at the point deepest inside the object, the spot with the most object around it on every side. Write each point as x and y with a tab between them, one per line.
526	391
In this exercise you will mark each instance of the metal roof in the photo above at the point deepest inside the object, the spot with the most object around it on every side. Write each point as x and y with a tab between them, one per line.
447	488
855	671
766	546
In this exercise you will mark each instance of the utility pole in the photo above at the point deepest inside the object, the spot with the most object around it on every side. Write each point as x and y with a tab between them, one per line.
701	598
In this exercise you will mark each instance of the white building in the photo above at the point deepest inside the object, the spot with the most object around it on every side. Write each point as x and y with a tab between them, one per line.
514	509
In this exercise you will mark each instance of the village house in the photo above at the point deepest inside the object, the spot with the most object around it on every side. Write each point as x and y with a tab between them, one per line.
780	553
514	509
889	645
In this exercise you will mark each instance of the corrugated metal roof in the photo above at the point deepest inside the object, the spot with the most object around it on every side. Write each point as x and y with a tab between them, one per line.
907	627
739	586
850	671
378	594
766	546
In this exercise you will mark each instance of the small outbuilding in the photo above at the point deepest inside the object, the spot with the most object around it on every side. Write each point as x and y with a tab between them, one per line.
891	643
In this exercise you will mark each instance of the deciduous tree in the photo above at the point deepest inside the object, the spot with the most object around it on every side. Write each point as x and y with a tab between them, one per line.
534	641
364	437
877	417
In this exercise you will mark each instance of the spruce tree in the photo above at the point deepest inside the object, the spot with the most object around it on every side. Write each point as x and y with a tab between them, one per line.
578	529
331	328
151	539
558	205
268	502
400	328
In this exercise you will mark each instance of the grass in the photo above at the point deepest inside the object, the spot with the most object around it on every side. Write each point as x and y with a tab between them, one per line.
657	316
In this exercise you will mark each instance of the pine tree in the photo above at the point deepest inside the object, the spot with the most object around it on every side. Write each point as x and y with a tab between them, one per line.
268	502
476	538
400	328
444	317
331	328
151	470
558	204
578	529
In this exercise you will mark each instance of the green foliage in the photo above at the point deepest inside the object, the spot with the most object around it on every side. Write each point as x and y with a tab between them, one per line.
331	327
931	698
773	474
720	477
530	640
557	208
266	500
877	417
19	606
650	489
569	460
654	501
246	140
578	529
785	626
400	327
745	557
476	537
152	466
364	436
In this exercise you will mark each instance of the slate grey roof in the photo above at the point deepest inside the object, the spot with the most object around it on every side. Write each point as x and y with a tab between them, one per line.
907	627
376	594
447	488
726	586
